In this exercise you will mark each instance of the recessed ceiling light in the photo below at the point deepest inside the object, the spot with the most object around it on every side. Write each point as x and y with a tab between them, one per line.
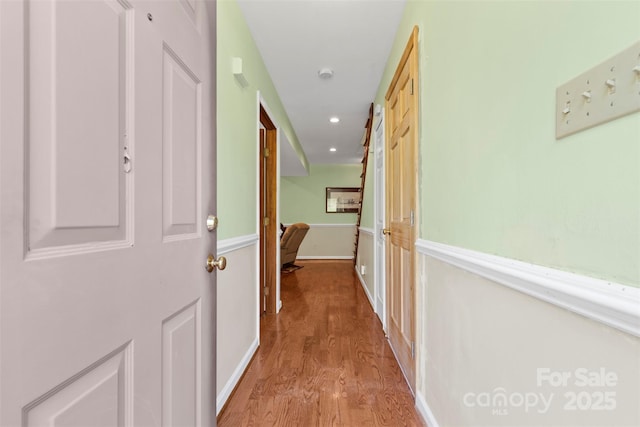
332	149
334	119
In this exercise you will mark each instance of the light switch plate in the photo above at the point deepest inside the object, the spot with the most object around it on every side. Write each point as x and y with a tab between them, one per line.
605	92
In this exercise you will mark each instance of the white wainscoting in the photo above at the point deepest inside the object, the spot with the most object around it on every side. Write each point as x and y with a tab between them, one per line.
365	260
488	324
425	411
238	332
364	287
328	241
610	303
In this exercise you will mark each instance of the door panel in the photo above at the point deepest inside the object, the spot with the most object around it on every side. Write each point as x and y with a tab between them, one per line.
181	367
107	172
181	148
99	396
401	109
191	8
69	117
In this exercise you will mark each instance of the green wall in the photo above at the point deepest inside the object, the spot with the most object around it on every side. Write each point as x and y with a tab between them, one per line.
493	177
302	198
237	122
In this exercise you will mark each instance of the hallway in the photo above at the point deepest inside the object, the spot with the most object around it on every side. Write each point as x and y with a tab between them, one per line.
323	360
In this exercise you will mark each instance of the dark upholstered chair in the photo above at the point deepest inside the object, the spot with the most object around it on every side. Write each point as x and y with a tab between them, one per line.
290	242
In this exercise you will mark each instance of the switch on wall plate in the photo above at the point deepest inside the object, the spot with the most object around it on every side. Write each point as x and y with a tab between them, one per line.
605	92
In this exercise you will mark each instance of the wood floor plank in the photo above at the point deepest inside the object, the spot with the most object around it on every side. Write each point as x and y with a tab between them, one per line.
323	360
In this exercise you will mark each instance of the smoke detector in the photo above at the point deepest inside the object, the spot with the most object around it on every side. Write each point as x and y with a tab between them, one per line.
325	73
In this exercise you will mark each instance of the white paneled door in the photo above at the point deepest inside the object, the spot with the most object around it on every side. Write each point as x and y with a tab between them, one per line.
107	174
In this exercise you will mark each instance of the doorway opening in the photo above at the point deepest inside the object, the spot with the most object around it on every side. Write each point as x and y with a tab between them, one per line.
268	204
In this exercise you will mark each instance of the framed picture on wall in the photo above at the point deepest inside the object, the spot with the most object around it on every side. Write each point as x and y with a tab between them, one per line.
343	199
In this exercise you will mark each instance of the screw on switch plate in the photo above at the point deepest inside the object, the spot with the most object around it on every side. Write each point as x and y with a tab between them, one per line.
601	94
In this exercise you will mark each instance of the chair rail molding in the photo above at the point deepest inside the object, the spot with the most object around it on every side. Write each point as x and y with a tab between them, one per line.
326	225
610	303
233	244
367	230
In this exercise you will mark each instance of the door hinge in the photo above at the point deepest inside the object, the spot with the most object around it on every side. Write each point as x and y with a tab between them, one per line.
266	290
412	218
265	221
413	349
411	90
266	151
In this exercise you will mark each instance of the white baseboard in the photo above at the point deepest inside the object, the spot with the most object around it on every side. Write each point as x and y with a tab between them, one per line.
235	377
606	302
324	257
425	412
366	290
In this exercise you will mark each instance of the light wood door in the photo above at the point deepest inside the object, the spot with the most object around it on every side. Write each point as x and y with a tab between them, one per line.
107	174
401	154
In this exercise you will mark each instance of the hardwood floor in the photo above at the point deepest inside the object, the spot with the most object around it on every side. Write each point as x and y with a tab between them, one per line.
323	360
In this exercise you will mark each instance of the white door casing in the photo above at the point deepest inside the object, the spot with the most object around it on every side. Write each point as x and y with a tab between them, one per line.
107	174
379	220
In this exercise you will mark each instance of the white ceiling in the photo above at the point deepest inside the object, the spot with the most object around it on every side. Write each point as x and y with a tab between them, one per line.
299	37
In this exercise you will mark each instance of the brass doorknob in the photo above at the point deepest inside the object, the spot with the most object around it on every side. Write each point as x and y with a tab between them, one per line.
212	263
386	231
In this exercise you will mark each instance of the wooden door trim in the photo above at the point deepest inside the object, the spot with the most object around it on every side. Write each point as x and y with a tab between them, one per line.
268	233
410	52
261	141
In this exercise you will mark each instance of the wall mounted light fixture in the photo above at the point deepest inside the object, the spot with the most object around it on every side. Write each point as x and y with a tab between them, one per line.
236	67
